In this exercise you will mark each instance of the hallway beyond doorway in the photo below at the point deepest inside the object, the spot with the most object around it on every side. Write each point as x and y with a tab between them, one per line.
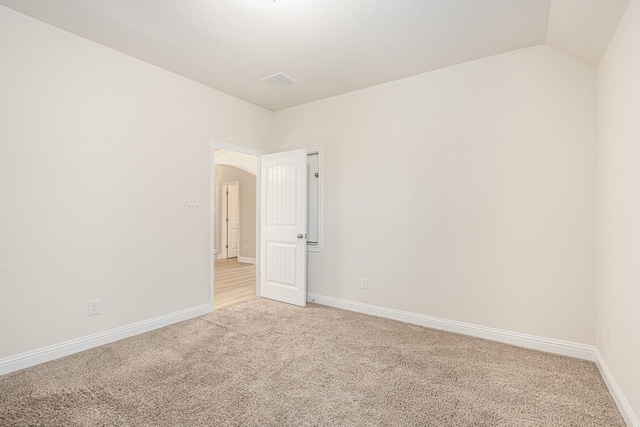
235	282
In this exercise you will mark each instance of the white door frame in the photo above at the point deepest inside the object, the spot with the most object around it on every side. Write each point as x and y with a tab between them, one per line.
224	251
212	146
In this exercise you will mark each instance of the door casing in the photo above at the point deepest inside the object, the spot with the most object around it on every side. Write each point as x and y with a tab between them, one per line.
257	153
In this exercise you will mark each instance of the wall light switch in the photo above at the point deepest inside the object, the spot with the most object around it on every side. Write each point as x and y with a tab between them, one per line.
193	201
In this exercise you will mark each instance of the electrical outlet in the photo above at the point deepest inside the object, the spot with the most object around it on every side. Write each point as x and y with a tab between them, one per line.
192	201
94	307
364	284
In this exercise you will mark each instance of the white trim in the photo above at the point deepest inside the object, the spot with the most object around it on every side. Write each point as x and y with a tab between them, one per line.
621	401
258	222
238	148
246	260
212	215
235	159
550	345
318	246
46	354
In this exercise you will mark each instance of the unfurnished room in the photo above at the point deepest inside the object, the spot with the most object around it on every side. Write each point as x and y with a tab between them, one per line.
320	213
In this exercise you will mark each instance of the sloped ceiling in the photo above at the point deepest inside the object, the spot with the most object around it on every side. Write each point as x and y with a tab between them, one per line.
329	46
583	28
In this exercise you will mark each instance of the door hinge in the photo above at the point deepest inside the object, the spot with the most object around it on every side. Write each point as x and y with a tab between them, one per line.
226	219
227	246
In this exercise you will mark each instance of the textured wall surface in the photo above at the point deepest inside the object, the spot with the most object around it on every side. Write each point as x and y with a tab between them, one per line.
98	153
618	291
465	193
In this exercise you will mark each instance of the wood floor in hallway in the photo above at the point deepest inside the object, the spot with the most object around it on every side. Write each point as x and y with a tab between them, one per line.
234	282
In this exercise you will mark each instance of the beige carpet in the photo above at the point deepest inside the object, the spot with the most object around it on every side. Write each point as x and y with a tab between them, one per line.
263	363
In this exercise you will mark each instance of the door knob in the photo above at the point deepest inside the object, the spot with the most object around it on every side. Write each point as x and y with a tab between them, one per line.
300	236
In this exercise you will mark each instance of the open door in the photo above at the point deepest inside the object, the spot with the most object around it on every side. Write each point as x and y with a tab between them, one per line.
232	220
283	227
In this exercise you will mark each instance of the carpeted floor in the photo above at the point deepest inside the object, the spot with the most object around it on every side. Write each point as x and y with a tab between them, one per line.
263	363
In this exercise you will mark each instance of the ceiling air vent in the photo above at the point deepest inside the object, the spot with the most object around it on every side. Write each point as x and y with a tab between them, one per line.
280	79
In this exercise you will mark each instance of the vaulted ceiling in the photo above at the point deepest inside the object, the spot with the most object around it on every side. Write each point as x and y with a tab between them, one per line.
329	46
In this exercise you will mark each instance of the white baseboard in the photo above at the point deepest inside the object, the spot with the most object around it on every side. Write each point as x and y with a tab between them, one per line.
46	354
246	260
621	401
549	345
565	348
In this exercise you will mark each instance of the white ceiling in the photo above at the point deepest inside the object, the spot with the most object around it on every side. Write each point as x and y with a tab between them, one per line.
329	46
583	28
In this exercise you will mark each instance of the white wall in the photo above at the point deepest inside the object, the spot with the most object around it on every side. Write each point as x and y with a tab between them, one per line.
618	291
98	152
466	193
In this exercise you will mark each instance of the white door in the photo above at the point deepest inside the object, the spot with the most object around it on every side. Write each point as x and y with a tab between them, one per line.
230	226
233	220
283	225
